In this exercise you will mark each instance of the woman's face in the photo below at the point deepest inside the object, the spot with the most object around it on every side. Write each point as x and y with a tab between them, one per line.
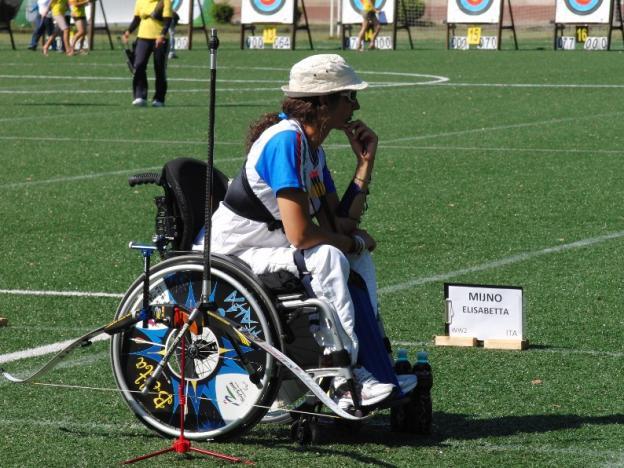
341	108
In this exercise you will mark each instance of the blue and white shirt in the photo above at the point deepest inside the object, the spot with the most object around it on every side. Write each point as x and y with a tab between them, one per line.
281	158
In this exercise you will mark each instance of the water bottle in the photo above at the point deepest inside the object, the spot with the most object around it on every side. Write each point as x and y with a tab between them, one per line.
422	369
402	364
421	418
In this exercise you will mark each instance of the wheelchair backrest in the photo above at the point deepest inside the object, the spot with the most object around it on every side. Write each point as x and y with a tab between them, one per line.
184	183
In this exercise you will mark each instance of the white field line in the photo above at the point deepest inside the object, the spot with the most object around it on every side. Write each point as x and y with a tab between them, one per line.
91	176
28	292
504	127
42	350
501	262
385	290
502	149
120	140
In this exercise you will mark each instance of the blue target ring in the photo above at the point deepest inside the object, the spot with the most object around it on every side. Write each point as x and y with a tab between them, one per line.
358	6
583	7
267	7
474	7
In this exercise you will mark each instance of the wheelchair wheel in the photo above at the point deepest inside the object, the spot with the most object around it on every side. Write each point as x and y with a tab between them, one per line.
221	400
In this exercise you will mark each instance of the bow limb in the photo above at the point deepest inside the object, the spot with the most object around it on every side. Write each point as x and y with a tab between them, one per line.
83	340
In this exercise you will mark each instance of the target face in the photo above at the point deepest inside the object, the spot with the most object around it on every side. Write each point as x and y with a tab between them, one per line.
358	5
474	7
267	7
583	7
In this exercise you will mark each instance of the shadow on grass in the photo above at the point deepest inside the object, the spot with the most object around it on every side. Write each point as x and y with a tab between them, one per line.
446	426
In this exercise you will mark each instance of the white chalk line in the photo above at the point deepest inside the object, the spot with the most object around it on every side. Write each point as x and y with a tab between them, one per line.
92	176
501	262
48	349
505	127
385	290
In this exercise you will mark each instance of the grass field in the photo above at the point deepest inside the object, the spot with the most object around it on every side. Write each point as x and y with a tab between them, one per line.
494	168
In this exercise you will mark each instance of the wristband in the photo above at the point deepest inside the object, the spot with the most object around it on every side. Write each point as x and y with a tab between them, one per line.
364	181
359	244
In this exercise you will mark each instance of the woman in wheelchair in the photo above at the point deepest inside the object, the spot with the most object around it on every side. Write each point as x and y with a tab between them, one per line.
266	218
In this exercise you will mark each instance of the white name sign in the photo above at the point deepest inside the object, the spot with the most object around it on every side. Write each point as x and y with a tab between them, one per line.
484	312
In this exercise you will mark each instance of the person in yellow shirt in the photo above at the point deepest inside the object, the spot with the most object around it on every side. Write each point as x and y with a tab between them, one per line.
369	21
59	9
79	16
153	18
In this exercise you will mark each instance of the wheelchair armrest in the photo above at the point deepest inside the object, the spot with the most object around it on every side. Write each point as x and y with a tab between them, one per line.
145	178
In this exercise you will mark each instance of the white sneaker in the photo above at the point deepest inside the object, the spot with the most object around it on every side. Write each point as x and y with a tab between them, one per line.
156	103
372	391
139	102
407	382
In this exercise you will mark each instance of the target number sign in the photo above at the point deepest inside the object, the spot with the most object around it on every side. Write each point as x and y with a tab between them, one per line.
582	11
281	42
488	43
582	33
255	42
381	42
566	43
474	36
473	11
596	43
459	43
267	11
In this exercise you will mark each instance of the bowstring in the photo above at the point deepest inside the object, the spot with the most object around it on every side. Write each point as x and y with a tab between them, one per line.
118	390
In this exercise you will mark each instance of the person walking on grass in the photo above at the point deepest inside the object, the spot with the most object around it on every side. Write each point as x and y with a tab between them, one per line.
59	9
79	15
153	18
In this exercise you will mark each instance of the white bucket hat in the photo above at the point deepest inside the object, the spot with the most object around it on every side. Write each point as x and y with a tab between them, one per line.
322	74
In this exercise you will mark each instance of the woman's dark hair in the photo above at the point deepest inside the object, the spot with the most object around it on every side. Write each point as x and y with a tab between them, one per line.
307	110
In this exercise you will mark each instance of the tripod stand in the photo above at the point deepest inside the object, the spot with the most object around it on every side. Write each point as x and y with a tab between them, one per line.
182	444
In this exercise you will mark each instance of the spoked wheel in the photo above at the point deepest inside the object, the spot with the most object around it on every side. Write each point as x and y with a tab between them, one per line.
222	402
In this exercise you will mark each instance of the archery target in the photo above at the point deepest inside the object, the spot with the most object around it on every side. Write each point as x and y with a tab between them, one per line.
267	11
582	11
473	11
352	11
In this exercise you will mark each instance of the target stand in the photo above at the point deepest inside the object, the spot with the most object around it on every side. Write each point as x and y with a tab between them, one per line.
92	27
8	11
476	14
265	12
191	25
582	16
347	23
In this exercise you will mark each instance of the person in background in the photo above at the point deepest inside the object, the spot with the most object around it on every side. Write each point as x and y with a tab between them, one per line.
59	9
79	15
43	24
369	21
153	19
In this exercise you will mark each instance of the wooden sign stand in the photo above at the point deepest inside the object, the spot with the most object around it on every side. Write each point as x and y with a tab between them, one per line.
615	15
450	27
295	27
471	342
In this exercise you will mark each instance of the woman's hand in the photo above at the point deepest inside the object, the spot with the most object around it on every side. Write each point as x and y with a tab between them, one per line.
362	139
160	40
369	242
126	37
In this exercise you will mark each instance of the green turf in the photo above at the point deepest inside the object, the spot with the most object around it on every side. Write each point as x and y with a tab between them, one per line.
467	177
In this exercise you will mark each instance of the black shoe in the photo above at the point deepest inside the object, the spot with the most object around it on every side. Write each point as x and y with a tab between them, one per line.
32	47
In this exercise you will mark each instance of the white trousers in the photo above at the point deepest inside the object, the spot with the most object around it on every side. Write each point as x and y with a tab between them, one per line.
330	269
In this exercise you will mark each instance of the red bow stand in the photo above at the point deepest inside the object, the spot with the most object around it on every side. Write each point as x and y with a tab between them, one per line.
182	444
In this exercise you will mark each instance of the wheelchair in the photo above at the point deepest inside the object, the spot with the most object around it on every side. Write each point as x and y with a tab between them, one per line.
230	386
